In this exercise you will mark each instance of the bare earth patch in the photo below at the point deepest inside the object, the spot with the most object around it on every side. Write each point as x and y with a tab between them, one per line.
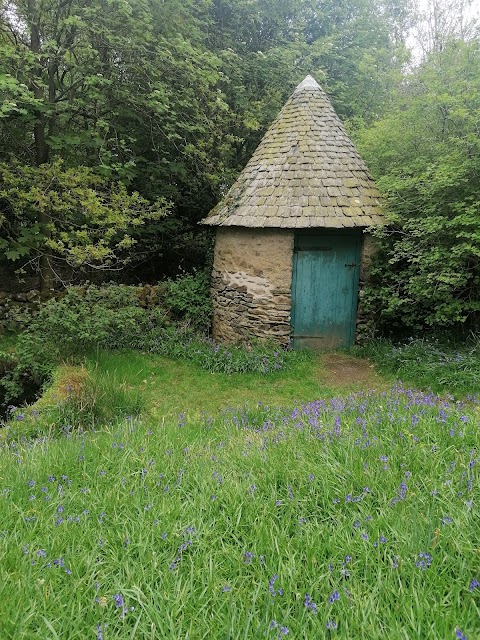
341	370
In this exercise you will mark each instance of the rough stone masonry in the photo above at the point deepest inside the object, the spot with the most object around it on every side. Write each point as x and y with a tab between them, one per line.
251	284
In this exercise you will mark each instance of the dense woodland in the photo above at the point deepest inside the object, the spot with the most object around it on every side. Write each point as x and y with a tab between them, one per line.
122	122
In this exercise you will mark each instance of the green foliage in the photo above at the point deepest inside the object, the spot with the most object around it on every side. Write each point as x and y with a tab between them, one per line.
426	155
87	318
171	98
188	298
164	320
98	400
185	344
84	319
440	364
76	216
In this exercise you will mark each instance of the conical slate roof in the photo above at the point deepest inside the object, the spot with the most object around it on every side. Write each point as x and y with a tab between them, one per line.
304	173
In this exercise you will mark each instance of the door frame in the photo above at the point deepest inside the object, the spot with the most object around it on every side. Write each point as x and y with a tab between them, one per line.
354	234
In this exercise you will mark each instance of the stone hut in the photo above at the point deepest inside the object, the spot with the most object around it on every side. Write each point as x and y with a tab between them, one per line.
291	250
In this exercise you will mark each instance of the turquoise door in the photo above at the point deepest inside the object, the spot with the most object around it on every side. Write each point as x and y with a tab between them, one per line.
326	270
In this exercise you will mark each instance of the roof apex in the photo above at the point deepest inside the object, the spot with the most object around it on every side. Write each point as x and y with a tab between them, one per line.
309	82
305	173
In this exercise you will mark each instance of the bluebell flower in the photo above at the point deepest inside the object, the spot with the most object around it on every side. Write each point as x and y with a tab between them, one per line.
271	587
309	604
474	584
424	560
459	634
334	596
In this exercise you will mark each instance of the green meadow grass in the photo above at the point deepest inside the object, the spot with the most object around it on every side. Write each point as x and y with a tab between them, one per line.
170	386
220	527
112	384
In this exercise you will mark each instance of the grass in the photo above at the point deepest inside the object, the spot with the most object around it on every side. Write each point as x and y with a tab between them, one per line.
150	505
342	518
430	363
115	384
169	386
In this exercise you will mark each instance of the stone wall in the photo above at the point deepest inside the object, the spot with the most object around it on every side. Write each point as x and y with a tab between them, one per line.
16	309
251	284
365	324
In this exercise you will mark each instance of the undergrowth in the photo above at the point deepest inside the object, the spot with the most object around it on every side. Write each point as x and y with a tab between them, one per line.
429	363
115	317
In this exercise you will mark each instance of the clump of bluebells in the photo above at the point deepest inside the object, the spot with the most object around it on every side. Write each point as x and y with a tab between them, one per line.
215	357
424	560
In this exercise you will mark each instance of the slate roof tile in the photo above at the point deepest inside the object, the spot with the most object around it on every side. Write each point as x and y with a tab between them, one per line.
304	173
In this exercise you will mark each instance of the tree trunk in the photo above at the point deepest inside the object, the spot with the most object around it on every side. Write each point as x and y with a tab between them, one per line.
46	272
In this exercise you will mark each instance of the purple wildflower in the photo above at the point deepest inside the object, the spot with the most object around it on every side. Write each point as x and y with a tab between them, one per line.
424	560
474	584
459	634
118	600
309	604
271	586
334	596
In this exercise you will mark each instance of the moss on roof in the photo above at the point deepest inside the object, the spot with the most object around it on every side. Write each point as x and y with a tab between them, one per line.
304	173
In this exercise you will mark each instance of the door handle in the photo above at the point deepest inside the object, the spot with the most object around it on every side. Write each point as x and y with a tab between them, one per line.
353	264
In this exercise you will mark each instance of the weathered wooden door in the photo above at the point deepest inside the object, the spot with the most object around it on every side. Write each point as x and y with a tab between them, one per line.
326	270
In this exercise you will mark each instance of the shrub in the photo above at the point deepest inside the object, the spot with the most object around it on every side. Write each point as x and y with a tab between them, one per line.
123	317
188	298
84	319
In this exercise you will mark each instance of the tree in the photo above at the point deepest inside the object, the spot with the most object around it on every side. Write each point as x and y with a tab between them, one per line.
91	221
111	85
426	157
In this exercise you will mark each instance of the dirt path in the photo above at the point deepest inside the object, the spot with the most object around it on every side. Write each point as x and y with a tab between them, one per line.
341	370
